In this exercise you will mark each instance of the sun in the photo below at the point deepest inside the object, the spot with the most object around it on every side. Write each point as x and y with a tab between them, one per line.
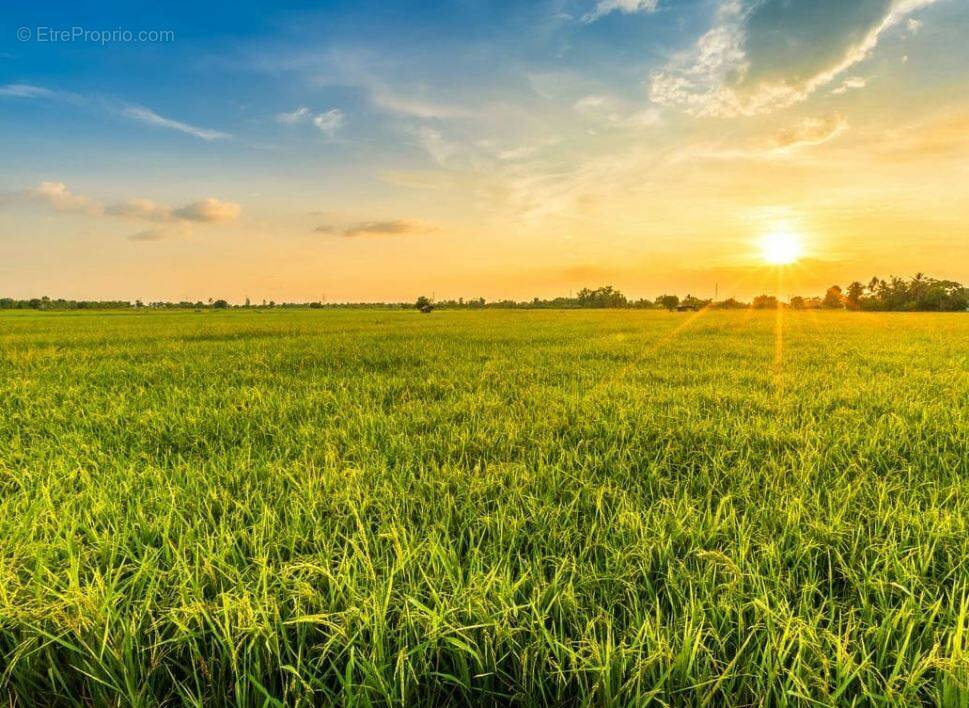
780	248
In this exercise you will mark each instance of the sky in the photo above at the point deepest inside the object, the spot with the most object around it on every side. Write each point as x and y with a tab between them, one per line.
376	151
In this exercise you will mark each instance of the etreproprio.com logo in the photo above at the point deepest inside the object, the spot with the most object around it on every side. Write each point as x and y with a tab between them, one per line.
82	35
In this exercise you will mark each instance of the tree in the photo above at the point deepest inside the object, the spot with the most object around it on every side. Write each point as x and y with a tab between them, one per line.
668	301
797	303
765	302
855	291
605	296
422	302
833	299
220	304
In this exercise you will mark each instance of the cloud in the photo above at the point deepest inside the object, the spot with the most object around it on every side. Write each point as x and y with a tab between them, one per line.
328	122
613	113
175	221
590	103
300	114
389	100
209	210
396	227
849	84
626	7
62	199
811	131
139	208
149	117
437	146
25	91
717	76
161	233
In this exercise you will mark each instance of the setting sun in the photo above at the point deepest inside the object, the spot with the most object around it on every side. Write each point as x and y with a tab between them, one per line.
780	248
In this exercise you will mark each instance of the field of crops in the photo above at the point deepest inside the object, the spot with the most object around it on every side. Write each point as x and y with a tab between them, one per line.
539	507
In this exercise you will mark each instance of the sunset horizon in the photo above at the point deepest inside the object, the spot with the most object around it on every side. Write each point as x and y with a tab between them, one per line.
480	149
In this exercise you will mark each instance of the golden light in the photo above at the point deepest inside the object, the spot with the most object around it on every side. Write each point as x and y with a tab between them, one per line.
780	248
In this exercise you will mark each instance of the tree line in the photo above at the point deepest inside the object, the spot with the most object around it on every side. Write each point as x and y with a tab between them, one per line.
917	294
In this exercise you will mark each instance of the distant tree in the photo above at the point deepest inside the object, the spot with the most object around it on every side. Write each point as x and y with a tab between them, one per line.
764	302
670	302
220	304
422	302
247	302
731	304
605	296
797	303
853	298
694	302
833	299
316	305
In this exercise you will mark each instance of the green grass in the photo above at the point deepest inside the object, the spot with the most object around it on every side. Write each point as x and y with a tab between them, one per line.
478	507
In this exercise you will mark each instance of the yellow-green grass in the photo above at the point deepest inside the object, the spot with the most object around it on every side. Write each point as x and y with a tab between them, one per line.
538	507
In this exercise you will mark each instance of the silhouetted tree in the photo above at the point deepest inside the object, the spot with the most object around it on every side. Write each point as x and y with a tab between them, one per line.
765	302
833	299
668	301
853	299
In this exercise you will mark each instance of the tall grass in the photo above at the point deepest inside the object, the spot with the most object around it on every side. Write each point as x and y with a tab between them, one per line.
492	507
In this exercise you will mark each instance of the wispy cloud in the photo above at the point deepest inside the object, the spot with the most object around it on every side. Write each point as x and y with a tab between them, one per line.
393	227
811	131
25	91
627	7
149	117
709	79
329	122
293	117
437	146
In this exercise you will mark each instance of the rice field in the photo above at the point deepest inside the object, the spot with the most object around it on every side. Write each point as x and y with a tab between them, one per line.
528	507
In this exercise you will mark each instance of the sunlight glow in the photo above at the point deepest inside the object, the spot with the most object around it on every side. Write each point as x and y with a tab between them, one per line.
780	248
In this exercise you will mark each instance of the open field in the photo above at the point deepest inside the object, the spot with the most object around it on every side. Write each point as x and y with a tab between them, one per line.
543	507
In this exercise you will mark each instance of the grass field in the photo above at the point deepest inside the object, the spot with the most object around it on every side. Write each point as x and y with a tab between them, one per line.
539	507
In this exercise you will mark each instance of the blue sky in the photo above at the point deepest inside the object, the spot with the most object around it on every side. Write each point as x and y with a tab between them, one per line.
378	150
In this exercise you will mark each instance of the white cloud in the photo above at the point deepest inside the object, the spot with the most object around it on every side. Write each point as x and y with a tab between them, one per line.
913	25
627	7
25	91
590	103
149	117
708	80
390	101
849	84
297	116
330	122
62	199
613	113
